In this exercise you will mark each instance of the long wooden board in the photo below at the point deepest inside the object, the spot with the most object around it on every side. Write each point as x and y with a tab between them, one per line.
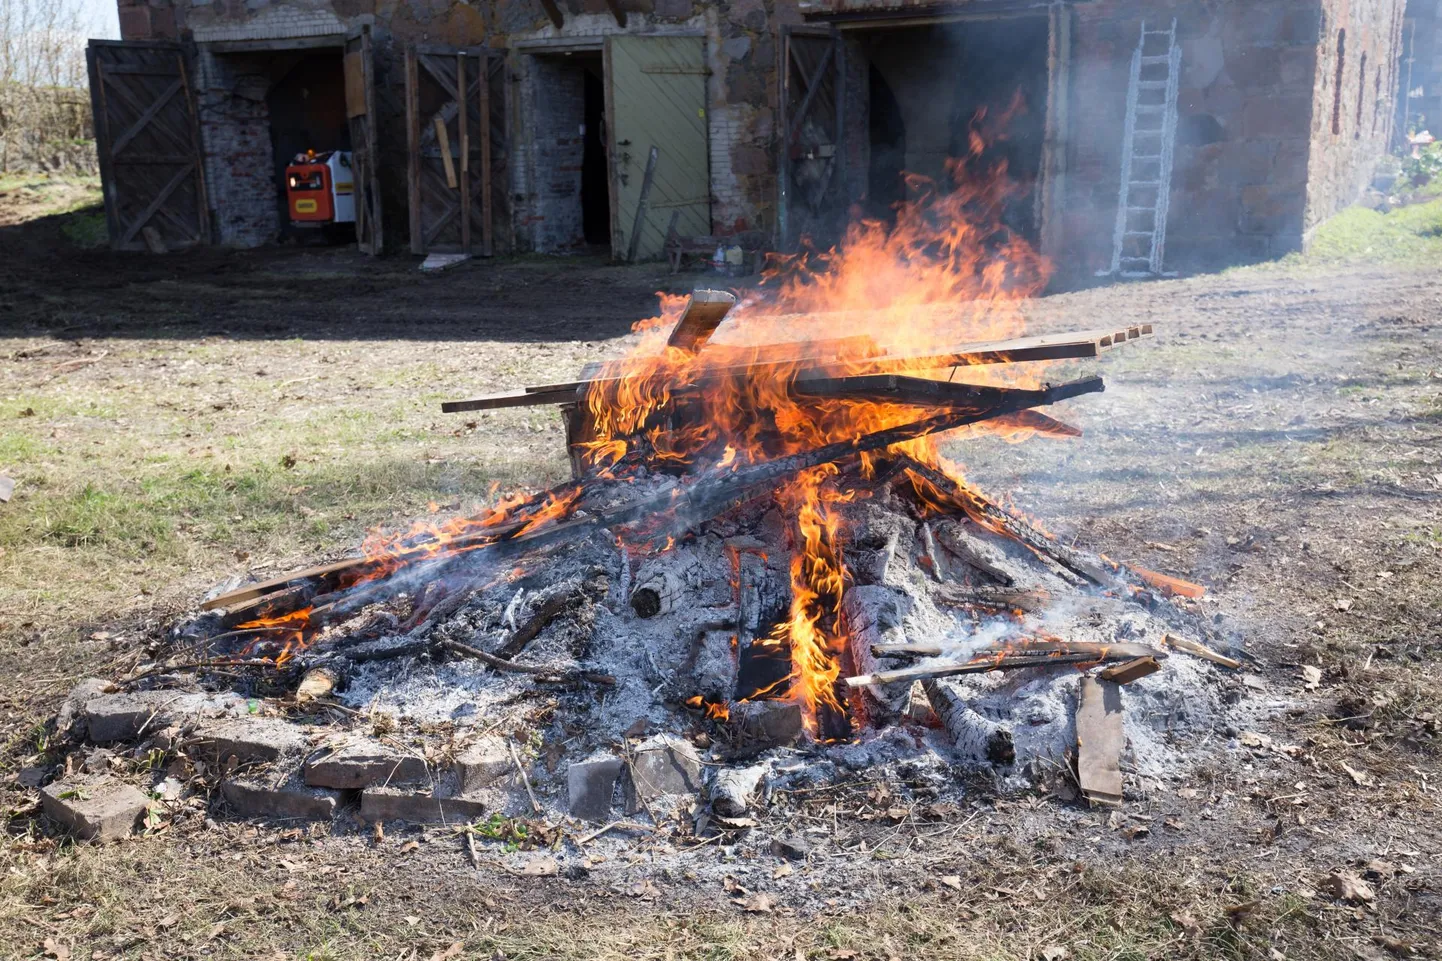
704	313
1049	347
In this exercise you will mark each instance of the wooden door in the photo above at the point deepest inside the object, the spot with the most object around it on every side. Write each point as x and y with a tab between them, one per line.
360	106
813	119
656	101
148	141
456	171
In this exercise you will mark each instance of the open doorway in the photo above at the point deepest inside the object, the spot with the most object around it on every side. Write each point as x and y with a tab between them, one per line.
573	193
933	88
259	108
307	112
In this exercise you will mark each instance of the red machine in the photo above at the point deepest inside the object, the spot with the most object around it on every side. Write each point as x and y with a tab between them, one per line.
319	189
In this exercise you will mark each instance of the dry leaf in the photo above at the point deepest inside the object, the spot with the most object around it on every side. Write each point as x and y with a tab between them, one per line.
542	866
56	950
782	870
1311	677
1055	952
1343	604
758	903
1186	922
452	952
1348	887
410	846
951	881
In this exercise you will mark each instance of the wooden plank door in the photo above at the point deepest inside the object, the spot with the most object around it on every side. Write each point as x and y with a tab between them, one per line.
456	138
813	108
148	140
360	105
656	98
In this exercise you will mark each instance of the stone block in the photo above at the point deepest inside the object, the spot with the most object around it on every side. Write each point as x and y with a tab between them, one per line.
364	763
125	717
592	787
250	740
98	808
663	765
74	707
483	764
1270	116
418	807
289	800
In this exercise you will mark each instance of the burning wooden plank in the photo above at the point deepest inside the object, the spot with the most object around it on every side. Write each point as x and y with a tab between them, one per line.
803	367
1099	740
704	313
1131	670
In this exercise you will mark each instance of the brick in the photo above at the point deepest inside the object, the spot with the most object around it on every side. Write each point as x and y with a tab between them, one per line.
99	808
483	764
364	763
663	765
418	807
591	786
124	717
250	740
289	800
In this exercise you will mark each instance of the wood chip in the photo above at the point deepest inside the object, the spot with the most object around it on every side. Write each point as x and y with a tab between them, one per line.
1199	650
1131	670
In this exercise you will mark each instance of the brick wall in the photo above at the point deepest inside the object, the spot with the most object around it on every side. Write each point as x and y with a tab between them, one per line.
1358	51
235	129
553	92
1244	106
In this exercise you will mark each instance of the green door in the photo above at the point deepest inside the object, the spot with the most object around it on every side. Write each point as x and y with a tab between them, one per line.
656	97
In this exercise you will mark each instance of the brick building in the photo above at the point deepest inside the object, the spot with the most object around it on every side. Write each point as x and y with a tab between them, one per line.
771	118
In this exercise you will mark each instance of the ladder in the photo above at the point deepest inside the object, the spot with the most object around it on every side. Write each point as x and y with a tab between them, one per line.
1139	240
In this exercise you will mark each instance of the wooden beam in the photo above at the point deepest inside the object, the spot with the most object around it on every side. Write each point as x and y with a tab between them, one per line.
554	12
515	398
1131	670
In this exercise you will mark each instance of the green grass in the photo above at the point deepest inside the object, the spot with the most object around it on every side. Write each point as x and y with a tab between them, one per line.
1406	235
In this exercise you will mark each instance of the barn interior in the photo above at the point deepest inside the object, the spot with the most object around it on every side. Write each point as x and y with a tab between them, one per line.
573	183
278	104
933	89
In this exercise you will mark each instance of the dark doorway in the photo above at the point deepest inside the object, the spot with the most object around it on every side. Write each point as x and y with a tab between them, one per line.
595	179
969	91
887	131
307	112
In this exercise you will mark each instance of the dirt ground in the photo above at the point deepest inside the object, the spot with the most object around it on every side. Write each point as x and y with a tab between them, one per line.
172	421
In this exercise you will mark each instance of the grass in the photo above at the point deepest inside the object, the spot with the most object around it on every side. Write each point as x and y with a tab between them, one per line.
1359	235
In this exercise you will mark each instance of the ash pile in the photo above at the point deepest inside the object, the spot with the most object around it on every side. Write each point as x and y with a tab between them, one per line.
763	577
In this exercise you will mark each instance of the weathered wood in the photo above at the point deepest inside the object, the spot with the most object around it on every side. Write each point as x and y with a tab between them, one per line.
515	398
1007	660
704	313
974	552
1130	671
647	179
913	650
444	139
975	737
546	612
733	787
999	598
1199	650
1100	741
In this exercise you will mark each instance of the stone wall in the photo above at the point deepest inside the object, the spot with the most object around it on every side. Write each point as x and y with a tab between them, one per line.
1244	105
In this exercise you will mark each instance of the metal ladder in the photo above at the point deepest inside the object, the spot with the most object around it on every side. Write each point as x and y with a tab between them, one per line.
1139	240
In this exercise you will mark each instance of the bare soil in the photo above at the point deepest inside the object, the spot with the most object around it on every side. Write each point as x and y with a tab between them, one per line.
171	421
